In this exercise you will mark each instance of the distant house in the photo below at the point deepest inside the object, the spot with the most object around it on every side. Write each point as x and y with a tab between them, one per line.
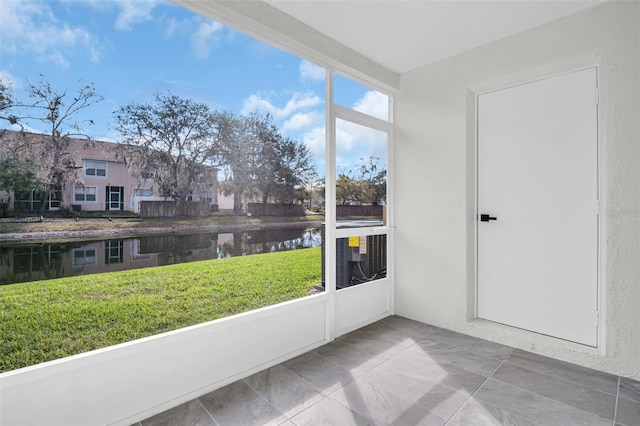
225	202
103	183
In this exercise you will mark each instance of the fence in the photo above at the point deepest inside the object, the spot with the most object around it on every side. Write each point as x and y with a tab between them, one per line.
173	209
258	209
372	211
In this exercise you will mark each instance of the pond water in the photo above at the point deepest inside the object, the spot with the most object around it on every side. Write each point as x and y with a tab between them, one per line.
42	261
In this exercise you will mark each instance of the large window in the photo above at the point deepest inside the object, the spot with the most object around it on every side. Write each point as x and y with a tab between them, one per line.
84	194
142	192
83	257
206	197
214	102
95	168
34	200
361	178
362	133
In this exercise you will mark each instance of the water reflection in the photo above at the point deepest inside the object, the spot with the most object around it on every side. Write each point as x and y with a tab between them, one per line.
31	262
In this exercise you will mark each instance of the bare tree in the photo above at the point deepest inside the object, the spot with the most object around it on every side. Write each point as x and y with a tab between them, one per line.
49	160
365	184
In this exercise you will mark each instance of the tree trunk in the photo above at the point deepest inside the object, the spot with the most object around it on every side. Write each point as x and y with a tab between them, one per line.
45	200
237	244
237	202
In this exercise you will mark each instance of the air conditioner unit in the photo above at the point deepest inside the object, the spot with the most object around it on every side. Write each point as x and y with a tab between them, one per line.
358	259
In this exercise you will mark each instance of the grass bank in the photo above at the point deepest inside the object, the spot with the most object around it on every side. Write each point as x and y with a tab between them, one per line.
54	224
46	320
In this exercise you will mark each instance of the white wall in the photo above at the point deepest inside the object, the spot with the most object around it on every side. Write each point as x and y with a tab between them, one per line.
126	383
225	202
435	182
122	384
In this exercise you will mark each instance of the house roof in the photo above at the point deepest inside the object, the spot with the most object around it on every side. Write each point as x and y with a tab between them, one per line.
406	34
81	148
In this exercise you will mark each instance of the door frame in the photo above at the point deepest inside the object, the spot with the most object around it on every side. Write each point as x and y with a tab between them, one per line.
473	220
120	192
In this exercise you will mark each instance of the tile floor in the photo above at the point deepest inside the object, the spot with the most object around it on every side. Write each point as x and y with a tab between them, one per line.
401	372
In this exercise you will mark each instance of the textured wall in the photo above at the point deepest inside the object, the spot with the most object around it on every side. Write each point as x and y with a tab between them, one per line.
435	178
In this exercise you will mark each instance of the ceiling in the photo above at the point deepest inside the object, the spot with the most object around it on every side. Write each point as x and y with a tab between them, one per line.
406	34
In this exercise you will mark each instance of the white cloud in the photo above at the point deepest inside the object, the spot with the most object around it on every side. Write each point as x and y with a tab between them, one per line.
310	71
314	139
95	55
133	12
302	120
31	28
345	139
375	104
129	12
26	128
204	34
355	142
205	37
254	103
58	58
170	27
8	80
297	102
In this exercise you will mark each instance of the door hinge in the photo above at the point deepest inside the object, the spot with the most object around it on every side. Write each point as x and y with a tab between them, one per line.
597	99
597	318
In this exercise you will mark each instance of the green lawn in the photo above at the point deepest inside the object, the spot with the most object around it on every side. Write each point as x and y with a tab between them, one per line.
45	320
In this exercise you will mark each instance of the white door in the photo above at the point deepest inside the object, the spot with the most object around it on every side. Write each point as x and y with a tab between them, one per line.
537	176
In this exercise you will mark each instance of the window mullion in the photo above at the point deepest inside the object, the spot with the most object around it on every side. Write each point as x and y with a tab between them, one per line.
360	118
330	206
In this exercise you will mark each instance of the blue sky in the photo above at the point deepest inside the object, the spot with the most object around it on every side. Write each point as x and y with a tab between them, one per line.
132	49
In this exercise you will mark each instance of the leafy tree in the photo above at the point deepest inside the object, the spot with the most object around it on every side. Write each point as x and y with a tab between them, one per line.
20	166
347	190
173	137
45	163
315	188
6	104
373	180
365	184
259	162
282	165
16	176
237	151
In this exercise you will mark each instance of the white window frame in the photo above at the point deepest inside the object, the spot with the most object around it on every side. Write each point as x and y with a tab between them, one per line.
84	194
206	197
94	165
142	192
109	247
337	325
86	260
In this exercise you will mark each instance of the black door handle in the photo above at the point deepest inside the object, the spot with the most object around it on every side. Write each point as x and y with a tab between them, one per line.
487	218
